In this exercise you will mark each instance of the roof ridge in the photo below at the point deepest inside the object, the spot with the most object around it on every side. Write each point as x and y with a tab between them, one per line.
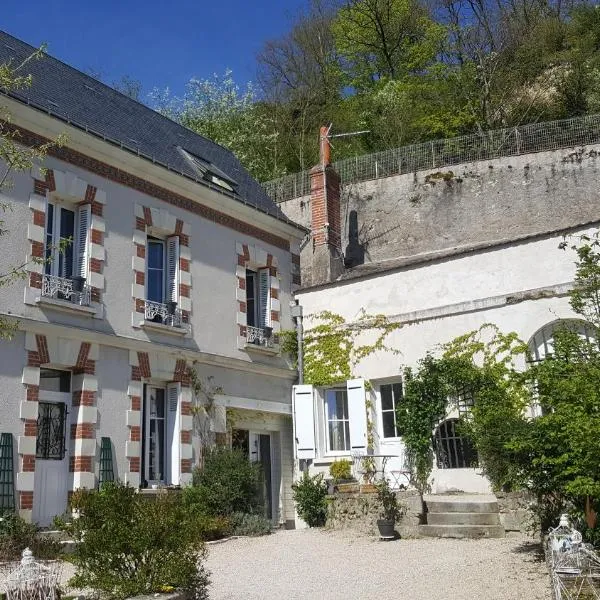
114	91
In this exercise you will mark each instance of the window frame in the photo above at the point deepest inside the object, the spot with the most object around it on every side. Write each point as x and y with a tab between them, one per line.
393	410
328	450
146	436
52	253
150	239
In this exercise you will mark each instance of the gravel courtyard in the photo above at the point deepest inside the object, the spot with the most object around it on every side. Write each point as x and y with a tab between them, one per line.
314	564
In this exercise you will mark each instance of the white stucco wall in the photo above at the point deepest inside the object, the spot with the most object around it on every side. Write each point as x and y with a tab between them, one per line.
440	300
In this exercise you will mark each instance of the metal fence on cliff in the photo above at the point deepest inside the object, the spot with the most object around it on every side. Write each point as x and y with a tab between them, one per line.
536	137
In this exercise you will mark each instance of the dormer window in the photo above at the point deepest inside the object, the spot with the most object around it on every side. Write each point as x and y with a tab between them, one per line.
209	172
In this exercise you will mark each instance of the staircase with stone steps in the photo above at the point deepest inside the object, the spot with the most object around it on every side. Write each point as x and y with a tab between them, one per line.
462	516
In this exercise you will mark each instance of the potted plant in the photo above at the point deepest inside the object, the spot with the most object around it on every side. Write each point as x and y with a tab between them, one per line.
389	511
341	473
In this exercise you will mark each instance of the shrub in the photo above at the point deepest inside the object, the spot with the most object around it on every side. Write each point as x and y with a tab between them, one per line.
227	483
310	495
17	534
250	524
341	470
390	509
130	545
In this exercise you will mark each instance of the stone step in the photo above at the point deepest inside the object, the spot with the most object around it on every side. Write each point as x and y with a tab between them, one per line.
462	531
466	518
471	503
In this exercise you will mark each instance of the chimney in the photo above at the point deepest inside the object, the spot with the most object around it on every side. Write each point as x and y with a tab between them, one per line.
326	227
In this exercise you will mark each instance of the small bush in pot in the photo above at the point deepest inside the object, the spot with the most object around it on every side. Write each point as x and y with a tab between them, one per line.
390	510
341	470
310	495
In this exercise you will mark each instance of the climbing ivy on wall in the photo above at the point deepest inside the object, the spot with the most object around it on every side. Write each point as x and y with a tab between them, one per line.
332	348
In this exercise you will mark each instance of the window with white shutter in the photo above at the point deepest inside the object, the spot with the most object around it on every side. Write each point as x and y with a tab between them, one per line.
173	434
83	237
304	421
172	294
264	297
357	413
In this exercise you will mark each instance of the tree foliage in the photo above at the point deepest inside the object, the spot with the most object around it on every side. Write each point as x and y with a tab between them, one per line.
407	71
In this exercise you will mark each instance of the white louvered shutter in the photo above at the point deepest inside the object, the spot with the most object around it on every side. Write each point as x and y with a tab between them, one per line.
172	269
264	298
84	217
357	414
304	420
173	458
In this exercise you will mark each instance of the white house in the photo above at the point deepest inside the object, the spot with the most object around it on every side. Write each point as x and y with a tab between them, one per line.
171	256
444	253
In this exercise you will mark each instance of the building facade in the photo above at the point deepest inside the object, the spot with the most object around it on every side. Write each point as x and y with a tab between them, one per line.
148	251
439	253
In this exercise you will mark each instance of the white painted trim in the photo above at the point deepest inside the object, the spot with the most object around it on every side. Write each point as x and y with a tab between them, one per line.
187	451
252	404
132	449
134	345
31	376
134	418
25	481
84	447
186	478
187	422
37	202
35	233
132	479
83	381
84	480
28	410
26	444
85	414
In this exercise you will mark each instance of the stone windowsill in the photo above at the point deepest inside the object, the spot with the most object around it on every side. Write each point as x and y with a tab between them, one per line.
168	329
270	351
65	305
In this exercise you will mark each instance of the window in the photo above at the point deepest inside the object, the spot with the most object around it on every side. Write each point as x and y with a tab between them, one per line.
52	416
258	312
452	450
51	425
541	344
208	171
162	281
160	435
156	430
338	421
391	395
66	253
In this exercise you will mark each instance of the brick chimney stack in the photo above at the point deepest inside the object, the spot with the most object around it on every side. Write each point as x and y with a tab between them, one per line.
326	227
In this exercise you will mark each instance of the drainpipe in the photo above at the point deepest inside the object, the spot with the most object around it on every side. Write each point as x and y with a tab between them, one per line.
296	312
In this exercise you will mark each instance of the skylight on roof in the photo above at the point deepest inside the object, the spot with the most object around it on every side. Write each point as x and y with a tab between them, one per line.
208	171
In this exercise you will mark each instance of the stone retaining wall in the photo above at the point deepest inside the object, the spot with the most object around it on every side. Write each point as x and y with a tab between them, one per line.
513	508
359	510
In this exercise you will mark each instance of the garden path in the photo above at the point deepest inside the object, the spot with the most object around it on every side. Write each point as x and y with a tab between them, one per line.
316	564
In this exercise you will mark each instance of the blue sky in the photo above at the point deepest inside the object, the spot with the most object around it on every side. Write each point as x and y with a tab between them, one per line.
159	43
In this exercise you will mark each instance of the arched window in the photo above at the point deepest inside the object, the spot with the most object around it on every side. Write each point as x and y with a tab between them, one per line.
541	344
453	451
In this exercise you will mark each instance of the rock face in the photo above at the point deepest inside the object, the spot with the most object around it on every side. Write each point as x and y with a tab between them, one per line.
514	513
360	510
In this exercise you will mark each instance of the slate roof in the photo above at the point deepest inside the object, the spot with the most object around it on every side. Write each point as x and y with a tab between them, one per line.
86	103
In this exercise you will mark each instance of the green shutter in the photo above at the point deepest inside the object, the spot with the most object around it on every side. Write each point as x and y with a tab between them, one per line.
7	482
106	462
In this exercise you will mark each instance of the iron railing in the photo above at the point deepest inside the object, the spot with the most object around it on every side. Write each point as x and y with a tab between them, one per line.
260	336
513	141
66	288
164	314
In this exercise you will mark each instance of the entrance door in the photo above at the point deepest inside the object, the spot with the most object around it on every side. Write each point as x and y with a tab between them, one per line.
260	451
51	478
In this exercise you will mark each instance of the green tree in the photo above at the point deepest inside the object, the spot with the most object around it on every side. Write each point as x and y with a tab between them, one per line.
217	109
15	157
385	39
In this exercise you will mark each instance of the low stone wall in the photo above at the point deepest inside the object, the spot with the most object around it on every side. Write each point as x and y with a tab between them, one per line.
513	511
359	511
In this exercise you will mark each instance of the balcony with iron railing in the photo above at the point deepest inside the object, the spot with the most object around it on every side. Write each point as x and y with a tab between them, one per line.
166	314
261	337
69	289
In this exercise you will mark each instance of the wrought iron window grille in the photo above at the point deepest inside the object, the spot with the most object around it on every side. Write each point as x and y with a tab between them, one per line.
260	336
71	289
51	431
165	314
